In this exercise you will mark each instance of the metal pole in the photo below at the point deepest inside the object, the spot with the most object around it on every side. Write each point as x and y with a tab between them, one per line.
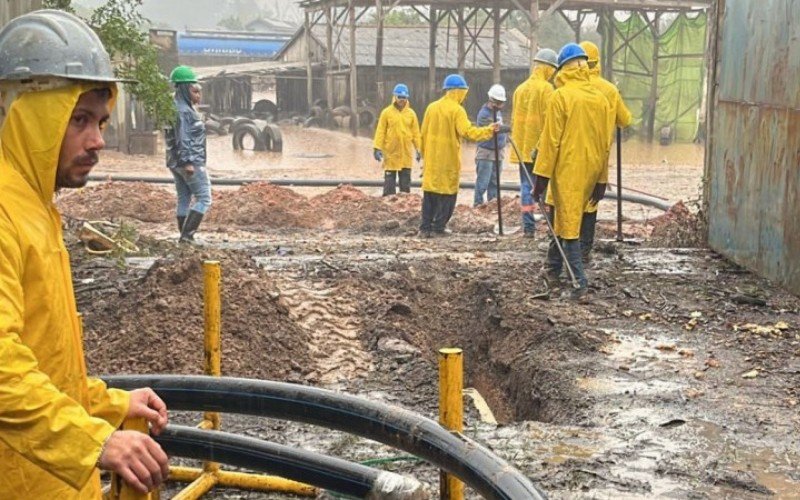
462	50
432	29
351	8
451	411
309	70
497	175
533	34
380	84
619	184
211	345
496	45
329	14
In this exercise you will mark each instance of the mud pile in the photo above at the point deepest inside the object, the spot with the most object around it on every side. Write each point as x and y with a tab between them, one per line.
678	228
110	200
266	206
156	324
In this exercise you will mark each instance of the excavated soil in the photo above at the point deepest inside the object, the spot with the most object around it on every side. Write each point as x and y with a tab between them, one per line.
678	379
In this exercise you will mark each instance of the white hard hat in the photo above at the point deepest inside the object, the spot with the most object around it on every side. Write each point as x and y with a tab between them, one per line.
497	92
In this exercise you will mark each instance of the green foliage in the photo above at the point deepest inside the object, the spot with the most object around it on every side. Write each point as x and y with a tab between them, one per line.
65	5
232	23
120	27
399	16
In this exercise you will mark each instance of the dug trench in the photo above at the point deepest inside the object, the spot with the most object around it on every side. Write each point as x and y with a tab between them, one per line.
679	379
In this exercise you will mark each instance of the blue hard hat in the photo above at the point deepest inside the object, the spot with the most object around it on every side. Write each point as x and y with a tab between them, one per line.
400	90
454	81
569	52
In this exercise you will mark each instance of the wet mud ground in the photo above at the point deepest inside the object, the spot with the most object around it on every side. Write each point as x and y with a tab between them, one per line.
679	379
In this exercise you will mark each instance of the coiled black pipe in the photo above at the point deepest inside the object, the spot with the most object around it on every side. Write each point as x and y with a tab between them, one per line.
329	473
506	186
485	472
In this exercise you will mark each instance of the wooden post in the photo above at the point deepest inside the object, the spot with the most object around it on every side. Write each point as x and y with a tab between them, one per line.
533	36
653	100
496	46
329	58
309	71
379	55
434	26
351	8
462	56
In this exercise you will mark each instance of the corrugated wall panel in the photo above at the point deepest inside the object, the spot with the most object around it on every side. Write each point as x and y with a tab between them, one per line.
9	9
753	166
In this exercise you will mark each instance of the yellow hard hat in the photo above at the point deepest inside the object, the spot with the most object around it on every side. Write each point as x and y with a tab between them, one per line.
592	52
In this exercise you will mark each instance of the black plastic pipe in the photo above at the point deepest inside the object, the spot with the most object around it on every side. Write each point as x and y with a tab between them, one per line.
329	473
506	186
479	468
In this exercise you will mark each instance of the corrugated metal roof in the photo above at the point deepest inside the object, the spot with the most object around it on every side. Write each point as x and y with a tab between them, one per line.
407	47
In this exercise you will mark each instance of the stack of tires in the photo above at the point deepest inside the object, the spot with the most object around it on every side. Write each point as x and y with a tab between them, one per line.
256	135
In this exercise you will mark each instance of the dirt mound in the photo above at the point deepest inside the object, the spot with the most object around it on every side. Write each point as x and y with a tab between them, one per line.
157	325
261	204
679	227
110	200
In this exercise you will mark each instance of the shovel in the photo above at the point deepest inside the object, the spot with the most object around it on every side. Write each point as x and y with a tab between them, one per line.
542	208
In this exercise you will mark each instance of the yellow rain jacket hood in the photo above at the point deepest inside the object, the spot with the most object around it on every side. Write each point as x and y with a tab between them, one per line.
619	115
573	147
530	107
53	419
397	133
444	125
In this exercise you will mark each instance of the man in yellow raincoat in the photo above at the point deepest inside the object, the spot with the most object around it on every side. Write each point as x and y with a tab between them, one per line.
619	116
397	133
444	126
527	119
572	153
57	426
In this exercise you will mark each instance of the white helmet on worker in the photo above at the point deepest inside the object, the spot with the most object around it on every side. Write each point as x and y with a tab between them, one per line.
497	93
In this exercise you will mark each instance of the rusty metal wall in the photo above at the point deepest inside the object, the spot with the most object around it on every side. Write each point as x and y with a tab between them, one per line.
753	156
9	9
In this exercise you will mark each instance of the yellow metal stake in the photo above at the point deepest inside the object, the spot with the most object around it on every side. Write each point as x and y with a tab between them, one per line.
213	318
120	490
451	411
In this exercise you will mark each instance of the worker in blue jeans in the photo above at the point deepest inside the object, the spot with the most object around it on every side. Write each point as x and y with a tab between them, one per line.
186	154
486	167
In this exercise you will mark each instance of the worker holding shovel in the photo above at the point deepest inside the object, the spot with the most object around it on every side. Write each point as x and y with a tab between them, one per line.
530	106
569	161
395	136
618	116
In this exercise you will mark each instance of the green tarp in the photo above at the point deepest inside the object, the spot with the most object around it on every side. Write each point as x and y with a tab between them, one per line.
680	72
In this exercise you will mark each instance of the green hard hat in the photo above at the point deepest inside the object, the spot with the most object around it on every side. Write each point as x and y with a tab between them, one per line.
183	74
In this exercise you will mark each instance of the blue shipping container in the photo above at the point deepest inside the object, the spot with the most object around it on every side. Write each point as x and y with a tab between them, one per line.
218	46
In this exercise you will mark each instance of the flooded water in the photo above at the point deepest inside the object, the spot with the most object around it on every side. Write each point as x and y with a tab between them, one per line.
673	172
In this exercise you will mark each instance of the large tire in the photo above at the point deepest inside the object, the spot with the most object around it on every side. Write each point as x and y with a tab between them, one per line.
366	117
214	126
311	121
317	112
322	103
248	129
341	111
226	120
273	138
238	121
264	107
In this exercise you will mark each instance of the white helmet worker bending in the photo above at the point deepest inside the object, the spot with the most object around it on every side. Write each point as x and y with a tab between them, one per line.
57	426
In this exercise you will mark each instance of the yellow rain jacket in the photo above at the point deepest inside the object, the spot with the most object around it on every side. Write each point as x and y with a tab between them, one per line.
53	419
619	115
444	125
397	133
530	107
573	148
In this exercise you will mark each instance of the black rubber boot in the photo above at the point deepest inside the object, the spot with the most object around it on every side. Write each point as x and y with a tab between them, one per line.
181	220
193	221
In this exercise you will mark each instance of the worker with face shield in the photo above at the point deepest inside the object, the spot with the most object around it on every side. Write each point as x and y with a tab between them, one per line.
58	426
570	162
530	105
444	126
619	116
396	136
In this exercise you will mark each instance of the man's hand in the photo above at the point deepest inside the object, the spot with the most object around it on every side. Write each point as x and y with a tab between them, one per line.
539	187
138	459
598	193
189	170
377	154
496	127
146	404
419	157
